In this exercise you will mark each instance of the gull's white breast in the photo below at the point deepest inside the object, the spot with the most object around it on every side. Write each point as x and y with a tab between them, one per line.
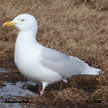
28	61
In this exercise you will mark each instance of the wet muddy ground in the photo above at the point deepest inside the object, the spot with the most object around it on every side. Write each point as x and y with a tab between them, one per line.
17	92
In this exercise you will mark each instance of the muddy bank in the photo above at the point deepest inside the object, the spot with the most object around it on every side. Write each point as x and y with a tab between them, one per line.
80	92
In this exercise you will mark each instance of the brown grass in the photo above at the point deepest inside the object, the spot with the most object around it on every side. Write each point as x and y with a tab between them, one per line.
75	27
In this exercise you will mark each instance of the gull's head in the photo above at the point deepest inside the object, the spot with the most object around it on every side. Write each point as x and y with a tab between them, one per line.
23	22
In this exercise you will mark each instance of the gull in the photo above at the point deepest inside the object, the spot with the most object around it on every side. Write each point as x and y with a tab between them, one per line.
39	63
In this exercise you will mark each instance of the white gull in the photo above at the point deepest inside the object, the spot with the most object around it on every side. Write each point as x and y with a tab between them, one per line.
42	64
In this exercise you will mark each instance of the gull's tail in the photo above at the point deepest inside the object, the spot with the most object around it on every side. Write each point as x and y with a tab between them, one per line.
92	71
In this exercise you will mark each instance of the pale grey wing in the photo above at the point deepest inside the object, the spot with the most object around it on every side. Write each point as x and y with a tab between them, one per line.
65	65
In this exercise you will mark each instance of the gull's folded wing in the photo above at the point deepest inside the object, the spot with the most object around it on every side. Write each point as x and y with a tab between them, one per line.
65	65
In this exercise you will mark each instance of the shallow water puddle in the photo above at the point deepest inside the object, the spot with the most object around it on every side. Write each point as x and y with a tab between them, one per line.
10	105
9	90
3	70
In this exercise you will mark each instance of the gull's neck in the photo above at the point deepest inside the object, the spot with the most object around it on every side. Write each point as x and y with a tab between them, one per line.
26	41
27	37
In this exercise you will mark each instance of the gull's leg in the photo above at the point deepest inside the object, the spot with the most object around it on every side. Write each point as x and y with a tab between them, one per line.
41	92
66	81
44	84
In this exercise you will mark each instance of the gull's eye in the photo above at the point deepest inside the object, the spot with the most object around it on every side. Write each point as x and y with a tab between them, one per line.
22	19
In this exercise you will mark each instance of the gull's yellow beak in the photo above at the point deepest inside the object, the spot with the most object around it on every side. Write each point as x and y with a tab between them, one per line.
8	24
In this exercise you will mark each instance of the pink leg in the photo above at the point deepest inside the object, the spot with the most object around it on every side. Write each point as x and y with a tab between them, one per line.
44	84
41	92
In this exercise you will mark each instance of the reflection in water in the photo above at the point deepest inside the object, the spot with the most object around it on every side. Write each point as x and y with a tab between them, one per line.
3	70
